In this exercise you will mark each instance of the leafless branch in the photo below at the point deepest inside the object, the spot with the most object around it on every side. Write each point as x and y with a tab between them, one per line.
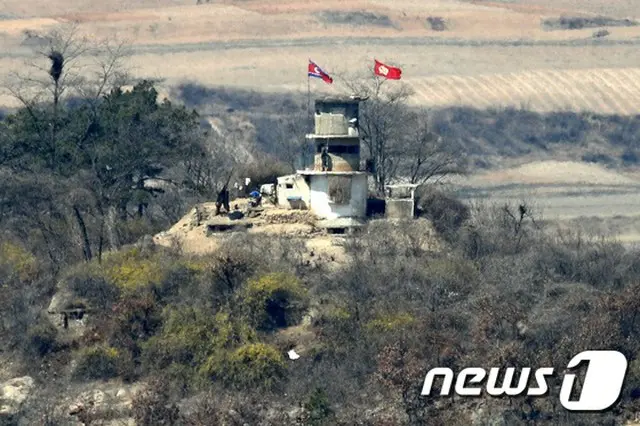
64	67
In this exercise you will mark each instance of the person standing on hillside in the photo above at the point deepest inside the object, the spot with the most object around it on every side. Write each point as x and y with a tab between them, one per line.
223	200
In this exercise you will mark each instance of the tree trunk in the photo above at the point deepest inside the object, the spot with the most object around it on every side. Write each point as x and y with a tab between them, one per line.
86	244
112	232
122	208
101	240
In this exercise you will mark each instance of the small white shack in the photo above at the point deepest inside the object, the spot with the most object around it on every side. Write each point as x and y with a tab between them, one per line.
293	192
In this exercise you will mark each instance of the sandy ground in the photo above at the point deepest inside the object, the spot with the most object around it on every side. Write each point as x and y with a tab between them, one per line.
191	236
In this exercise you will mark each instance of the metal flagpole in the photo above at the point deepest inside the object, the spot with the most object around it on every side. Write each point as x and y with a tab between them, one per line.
308	98
309	119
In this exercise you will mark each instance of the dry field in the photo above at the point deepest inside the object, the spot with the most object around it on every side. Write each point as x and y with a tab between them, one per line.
580	196
489	53
602	90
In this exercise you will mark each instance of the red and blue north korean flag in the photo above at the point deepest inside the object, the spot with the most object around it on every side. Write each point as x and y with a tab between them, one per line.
317	72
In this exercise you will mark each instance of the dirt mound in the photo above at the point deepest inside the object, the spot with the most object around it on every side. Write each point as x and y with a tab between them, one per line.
198	231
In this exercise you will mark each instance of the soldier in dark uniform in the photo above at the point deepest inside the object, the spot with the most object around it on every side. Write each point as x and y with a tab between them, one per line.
223	200
325	159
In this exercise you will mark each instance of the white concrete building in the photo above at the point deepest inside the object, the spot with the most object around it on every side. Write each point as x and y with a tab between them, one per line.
336	188
293	192
328	198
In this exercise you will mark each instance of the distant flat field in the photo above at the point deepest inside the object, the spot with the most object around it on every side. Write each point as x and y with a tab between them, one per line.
582	196
616	8
487	54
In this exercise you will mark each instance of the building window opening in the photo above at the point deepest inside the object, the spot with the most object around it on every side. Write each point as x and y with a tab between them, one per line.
340	189
344	149
289	186
337	231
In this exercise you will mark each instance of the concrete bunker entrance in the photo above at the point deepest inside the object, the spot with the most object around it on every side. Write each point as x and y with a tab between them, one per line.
337	231
227	227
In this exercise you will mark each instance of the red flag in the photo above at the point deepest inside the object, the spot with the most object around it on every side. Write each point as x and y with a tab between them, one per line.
390	73
317	72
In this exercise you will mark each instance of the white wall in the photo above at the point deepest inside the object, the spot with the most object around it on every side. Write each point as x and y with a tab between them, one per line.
322	206
300	189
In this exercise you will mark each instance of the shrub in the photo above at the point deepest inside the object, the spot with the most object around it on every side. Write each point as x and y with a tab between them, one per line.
97	362
153	406
632	385
318	409
451	275
264	170
131	269
598	158
355	18
445	212
96	290
629	157
274	300
338	329
194	343
188	335
391	322
130	231
183	281
231	268
436	23
255	364
133	320
18	261
500	229
42	338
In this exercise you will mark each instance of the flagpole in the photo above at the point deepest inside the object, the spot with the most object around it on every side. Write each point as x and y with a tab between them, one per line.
309	119
308	99
308	96
309	127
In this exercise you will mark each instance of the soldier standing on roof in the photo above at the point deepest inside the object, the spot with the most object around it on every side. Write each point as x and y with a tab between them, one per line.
325	159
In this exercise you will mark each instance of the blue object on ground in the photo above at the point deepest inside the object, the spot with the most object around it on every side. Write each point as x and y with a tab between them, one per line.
255	194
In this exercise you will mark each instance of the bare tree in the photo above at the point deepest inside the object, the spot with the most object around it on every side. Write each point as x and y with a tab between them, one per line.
400	141
68	66
207	170
425	154
289	138
54	71
383	118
